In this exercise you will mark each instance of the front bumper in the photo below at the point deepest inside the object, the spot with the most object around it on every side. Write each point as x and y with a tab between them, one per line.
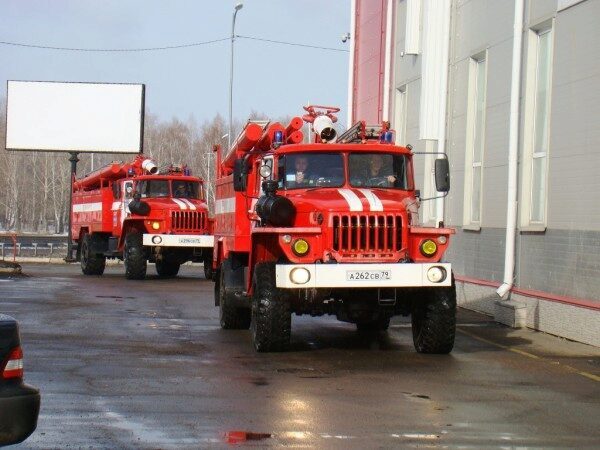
19	409
362	275
178	240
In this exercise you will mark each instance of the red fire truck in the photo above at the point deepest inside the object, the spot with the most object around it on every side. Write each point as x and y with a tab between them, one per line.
138	213
328	227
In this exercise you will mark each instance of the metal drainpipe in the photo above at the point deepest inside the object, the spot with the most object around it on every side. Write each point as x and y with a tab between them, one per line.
513	151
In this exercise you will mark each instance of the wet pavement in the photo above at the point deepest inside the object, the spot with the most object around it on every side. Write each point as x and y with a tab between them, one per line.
144	364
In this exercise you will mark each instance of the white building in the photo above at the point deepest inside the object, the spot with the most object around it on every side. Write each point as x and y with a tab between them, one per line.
518	114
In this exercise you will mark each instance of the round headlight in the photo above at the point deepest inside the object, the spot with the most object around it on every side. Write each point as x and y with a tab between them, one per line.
436	274
299	275
300	247
286	238
265	171
155	225
428	248
442	240
156	240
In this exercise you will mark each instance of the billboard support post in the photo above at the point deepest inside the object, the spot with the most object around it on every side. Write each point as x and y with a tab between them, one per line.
74	159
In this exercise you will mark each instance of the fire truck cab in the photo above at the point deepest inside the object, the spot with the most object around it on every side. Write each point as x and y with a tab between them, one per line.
329	227
140	213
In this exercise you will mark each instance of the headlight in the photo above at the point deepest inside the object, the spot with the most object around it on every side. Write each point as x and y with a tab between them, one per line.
428	248
299	275
156	240
156	225
442	240
300	247
436	274
265	171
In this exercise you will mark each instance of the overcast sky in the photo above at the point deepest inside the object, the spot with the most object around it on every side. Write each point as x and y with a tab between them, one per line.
271	78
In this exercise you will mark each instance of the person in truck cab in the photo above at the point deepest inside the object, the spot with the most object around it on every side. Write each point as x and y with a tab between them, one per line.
377	174
300	176
180	191
372	170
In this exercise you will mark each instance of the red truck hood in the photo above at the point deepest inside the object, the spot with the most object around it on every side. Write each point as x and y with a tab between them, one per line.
176	204
348	200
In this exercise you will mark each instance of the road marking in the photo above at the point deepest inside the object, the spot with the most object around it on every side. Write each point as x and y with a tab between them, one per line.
566	367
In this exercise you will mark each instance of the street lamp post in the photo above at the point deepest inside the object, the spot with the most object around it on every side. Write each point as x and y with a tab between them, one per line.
238	6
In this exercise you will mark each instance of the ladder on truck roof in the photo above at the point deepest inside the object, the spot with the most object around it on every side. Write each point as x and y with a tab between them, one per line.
359	132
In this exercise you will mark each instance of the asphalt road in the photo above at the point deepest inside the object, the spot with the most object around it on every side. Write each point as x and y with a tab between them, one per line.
144	364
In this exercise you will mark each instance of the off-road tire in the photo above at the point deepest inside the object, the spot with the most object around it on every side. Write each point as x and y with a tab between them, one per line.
134	257
374	325
208	270
434	320
91	263
167	269
231	317
271	316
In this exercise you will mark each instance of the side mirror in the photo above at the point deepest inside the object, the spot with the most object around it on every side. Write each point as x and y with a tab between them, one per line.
442	175
240	175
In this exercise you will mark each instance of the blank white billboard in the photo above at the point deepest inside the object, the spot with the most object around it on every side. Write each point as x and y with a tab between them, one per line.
74	117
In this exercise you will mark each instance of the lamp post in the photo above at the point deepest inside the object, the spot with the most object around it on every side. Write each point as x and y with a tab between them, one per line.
238	6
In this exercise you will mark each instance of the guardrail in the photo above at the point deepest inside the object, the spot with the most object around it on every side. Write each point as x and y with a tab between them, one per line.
14	246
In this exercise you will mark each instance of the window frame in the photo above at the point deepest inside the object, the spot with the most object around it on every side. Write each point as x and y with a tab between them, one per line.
530	153
400	103
473	98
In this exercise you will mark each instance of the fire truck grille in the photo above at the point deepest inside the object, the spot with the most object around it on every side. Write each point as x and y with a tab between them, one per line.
367	233
188	221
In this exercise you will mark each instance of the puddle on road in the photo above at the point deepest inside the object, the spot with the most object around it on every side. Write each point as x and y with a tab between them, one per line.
236	437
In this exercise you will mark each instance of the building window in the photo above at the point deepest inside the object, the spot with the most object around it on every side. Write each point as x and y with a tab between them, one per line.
475	141
399	124
536	130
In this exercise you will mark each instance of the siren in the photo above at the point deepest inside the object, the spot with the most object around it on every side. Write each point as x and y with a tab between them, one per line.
323	126
149	166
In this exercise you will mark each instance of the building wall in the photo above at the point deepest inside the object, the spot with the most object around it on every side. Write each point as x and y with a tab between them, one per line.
563	258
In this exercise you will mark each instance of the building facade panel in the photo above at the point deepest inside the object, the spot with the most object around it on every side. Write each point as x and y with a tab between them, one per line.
558	149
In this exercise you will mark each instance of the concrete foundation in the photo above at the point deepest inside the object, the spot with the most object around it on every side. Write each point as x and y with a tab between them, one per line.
560	319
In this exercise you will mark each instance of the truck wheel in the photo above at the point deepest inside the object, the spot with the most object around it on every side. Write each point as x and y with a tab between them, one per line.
134	257
434	320
271	316
208	270
167	269
231	317
91	262
374	325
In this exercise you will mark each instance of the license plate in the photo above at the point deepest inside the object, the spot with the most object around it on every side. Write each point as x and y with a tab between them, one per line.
368	275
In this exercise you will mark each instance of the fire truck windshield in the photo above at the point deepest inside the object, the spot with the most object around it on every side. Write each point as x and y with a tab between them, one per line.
384	170
153	188
160	188
307	170
187	189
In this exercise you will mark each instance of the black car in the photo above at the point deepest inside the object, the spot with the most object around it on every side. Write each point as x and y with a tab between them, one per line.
19	403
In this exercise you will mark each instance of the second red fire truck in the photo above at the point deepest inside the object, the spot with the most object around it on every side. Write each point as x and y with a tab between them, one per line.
139	213
329	227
